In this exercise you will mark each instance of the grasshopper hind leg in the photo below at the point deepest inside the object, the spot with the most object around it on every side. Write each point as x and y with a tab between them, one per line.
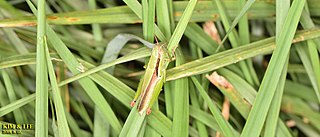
155	98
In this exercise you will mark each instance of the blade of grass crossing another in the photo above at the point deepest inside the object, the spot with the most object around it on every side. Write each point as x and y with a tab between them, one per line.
81	110
225	127
159	122
306	61
115	45
307	23
242	102
236	20
195	102
124	94
196	34
41	122
19	116
101	127
314	58
74	126
181	26
232	56
134	124
244	35
136	7
16	104
273	115
63	128
234	40
180	122
271	126
270	81
87	84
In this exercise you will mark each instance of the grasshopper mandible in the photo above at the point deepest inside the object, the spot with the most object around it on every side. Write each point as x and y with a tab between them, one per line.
150	86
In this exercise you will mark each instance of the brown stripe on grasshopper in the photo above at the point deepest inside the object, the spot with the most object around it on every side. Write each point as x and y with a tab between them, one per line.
153	79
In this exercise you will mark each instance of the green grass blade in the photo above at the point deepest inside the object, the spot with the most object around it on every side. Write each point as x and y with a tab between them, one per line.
204	117
243	96
231	56
16	104
79	107
237	18
18	114
160	123
234	39
195	102
96	28
235	93
204	11
273	114
305	128
92	37
148	15
8	7
148	21
180	123
223	124
74	126
150	132
168	95
134	124
181	26
314	57
307	63
268	86
41	122
125	95
163	17
244	35
140	53
301	108
196	34
136	7
101	127
63	128
307	22
86	83
3	93
116	44
292	88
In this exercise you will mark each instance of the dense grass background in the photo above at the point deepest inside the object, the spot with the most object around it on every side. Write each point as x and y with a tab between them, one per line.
243	68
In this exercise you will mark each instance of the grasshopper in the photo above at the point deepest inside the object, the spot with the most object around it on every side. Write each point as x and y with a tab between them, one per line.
151	84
